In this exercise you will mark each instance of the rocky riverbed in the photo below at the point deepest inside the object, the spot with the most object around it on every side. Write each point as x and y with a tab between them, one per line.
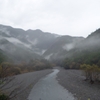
71	80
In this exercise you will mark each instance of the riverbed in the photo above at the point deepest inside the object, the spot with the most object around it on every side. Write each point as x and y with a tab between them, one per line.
48	88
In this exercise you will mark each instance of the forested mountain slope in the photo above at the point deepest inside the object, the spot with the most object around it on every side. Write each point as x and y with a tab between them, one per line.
87	52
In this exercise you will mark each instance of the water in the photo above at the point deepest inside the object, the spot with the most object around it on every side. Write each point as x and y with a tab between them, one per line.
49	89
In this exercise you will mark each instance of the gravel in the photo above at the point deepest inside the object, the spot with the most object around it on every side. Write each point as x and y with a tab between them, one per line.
27	81
73	81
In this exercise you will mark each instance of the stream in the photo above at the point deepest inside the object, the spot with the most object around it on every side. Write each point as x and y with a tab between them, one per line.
48	88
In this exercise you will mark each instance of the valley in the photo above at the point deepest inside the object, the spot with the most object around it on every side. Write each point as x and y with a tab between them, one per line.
23	53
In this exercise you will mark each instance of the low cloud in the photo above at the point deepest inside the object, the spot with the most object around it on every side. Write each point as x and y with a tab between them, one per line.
68	47
48	56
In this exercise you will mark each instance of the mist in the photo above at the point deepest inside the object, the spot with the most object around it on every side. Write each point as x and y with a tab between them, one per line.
68	47
36	43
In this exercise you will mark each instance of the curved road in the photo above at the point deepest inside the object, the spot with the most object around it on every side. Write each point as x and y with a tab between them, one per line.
49	89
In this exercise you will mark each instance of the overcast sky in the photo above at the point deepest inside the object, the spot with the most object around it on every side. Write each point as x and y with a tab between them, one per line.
68	17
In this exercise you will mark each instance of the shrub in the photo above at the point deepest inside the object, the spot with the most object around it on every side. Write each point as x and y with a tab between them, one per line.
92	72
15	70
4	97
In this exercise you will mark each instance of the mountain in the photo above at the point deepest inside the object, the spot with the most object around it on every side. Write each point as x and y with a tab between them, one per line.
95	34
61	46
41	41
16	51
86	52
35	39
21	45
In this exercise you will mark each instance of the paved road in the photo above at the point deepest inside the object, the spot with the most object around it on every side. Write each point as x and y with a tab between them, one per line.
49	89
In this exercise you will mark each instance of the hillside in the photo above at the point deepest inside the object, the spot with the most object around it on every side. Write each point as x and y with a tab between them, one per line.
87	52
61	47
35	39
20	45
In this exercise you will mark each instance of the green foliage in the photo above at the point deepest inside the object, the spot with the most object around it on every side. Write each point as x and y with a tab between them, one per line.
4	67
92	72
4	97
2	57
38	65
83	57
15	70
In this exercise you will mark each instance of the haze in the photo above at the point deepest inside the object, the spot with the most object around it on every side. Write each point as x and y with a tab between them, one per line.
65	17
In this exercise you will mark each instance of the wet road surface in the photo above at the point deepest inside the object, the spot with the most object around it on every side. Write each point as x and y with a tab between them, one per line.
49	89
